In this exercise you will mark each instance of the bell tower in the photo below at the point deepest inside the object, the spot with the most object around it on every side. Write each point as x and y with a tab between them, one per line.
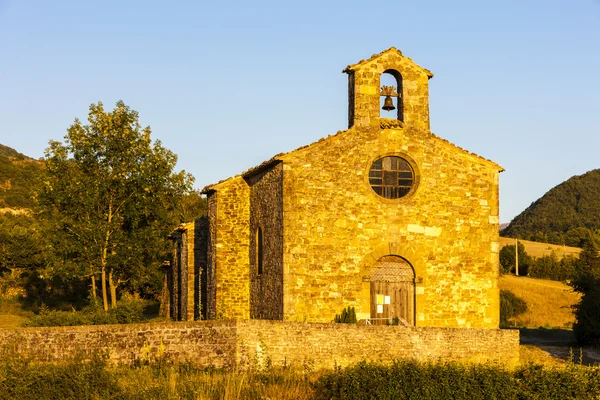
406	102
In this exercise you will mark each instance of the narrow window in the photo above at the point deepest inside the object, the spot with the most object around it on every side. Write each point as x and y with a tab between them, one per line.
259	251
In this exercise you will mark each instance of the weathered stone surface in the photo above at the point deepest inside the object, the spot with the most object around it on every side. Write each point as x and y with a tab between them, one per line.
230	248
253	342
266	213
445	234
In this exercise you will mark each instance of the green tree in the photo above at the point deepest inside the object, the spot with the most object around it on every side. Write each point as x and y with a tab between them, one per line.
23	249
577	237
113	193
587	311
508	259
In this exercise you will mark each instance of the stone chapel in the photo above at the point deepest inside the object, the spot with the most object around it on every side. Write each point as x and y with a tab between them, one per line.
385	217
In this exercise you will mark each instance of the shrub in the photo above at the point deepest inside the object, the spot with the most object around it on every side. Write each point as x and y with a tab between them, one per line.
508	259
587	282
129	310
407	379
587	317
550	267
510	306
348	316
23	379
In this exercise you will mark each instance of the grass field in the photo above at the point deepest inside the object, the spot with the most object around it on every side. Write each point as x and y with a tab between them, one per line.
548	302
537	249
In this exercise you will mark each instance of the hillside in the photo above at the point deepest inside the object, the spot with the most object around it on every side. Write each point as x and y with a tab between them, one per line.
572	204
548	302
19	178
539	249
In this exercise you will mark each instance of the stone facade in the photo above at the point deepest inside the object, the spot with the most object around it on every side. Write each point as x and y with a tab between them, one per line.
321	229
266	279
246	343
229	248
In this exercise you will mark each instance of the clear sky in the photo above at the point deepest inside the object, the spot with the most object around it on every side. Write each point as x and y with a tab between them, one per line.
228	84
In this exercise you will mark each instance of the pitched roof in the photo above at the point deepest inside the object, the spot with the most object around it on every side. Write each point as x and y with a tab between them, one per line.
266	164
352	67
279	158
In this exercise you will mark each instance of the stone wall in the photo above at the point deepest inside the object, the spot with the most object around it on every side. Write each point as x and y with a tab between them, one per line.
229	249
257	342
205	343
266	213
184	274
336	228
328	345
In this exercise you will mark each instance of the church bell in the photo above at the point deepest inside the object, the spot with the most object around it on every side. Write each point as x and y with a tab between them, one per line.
388	104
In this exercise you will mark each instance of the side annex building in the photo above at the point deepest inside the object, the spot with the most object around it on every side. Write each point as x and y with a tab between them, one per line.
385	217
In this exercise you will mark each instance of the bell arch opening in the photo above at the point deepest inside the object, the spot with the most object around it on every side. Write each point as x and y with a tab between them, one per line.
392	281
390	83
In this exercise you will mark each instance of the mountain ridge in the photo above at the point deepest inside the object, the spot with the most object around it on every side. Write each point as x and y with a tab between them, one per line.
556	216
19	179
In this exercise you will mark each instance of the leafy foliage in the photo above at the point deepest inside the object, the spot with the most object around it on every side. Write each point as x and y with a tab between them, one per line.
407	379
510	306
128	311
550	267
587	311
564	215
113	194
508	259
544	267
22	379
348	316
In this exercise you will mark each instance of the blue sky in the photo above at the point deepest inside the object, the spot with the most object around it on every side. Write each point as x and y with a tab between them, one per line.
227	85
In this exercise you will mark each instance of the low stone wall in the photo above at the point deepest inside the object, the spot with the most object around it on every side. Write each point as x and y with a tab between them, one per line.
327	345
257	342
204	343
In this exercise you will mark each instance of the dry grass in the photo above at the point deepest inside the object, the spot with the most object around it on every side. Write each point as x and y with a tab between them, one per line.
537	249
548	302
534	354
207	385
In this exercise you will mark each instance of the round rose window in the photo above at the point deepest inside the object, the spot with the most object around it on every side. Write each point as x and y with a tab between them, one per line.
391	177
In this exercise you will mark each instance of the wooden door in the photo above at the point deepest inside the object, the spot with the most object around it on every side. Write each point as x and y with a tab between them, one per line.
392	291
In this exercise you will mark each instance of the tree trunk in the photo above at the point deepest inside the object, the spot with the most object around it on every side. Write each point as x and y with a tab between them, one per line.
113	290
93	290
104	295
93	276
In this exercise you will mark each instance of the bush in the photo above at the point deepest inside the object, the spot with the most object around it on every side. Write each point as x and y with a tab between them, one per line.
550	267
508	259
23	379
587	311
129	310
348	316
587	317
510	306
408	379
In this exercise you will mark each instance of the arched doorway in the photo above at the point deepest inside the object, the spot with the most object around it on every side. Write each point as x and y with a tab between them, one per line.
392	291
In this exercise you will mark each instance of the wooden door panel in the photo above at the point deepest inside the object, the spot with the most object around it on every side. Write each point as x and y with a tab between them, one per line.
401	301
